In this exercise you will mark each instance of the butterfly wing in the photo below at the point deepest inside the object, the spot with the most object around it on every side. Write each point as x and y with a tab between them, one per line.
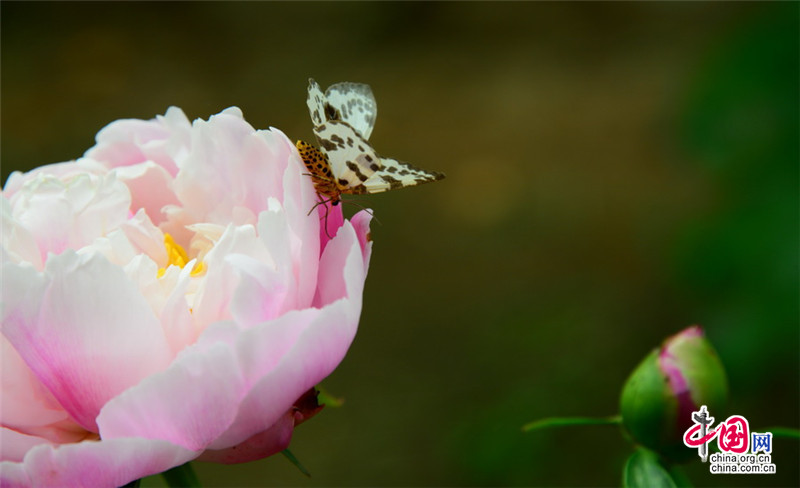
343	119
354	104
316	103
352	159
395	174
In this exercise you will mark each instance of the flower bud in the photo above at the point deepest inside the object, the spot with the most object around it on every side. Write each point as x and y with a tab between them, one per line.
668	385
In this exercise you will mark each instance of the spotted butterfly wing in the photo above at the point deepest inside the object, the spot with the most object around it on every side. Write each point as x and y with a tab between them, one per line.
396	174
316	103
352	103
351	158
343	119
355	105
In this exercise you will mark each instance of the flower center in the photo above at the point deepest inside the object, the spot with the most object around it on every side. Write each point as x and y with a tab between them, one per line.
176	256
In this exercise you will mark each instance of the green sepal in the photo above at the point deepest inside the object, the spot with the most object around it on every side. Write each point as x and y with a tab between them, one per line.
181	476
325	398
648	407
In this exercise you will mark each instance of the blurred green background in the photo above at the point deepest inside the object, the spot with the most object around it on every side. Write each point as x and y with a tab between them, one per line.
615	173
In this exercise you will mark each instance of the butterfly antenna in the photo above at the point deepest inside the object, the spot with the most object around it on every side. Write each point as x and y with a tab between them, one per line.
321	202
368	210
325	225
317	177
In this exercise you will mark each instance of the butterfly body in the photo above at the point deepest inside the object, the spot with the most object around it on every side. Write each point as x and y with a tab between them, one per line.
345	163
320	171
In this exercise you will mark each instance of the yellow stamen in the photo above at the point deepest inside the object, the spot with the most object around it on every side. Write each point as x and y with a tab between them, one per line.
199	269
176	256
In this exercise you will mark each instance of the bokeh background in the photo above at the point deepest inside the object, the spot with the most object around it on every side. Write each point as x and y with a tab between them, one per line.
616	172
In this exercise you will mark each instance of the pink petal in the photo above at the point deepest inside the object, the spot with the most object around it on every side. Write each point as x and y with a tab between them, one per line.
253	376
188	404
145	237
150	187
306	355
72	213
312	356
18	244
266	443
360	222
261	293
339	275
84	329
299	199
271	441
96	344
163	141
176	316
231	165
331	219
28	407
14	445
61	171
176	405
113	462
212	302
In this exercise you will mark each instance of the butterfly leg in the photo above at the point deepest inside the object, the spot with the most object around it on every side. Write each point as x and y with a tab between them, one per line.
325	224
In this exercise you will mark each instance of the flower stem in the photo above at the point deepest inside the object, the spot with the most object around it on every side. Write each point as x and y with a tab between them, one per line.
293	459
570	421
182	475
786	432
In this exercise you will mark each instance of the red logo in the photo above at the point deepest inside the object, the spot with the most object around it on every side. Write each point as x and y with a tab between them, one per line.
733	435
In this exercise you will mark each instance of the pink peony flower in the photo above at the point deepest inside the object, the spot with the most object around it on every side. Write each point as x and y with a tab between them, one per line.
167	298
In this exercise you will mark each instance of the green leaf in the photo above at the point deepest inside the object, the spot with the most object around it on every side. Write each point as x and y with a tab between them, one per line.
644	470
292	459
181	476
570	421
679	477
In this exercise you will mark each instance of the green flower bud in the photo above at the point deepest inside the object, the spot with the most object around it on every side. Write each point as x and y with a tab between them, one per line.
668	385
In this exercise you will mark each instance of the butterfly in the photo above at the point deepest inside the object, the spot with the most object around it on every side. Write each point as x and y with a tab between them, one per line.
345	163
